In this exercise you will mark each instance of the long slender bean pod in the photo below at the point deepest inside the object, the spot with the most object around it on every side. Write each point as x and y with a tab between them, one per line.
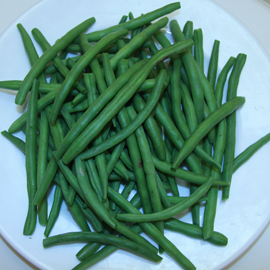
30	161
135	23
231	123
205	127
169	212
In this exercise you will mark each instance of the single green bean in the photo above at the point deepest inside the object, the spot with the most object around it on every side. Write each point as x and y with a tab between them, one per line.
169	212
205	127
30	162
231	124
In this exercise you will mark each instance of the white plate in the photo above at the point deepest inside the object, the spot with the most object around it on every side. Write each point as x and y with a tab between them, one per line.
242	218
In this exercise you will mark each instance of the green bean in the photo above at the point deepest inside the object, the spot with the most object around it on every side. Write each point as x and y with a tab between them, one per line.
212	195
194	231
121	98
198	47
249	152
178	140
153	131
137	22
188	30
15	85
50	69
187	58
94	177
171	179
189	108
184	174
16	141
151	230
99	255
222	79
162	193
42	163
30	162
123	19
55	210
28	45
213	65
148	164
208	148
56	60
172	211
175	200
94	64
48	56
205	127
137	41
42	103
78	68
115	185
136	159
95	108
109	75
231	123
103	239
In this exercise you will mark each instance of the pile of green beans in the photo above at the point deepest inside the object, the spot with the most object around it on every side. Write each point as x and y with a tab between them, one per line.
115	128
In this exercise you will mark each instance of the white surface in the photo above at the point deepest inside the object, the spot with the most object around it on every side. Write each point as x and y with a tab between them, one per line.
256	258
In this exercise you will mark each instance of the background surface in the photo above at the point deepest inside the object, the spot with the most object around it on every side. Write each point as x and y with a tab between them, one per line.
255	15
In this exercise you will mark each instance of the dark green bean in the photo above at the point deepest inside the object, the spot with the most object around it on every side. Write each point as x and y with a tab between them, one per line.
172	211
137	22
103	239
231	124
187	58
55	210
188	30
205	127
30	161
198	47
16	141
222	80
213	65
184	174
194	231
250	151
